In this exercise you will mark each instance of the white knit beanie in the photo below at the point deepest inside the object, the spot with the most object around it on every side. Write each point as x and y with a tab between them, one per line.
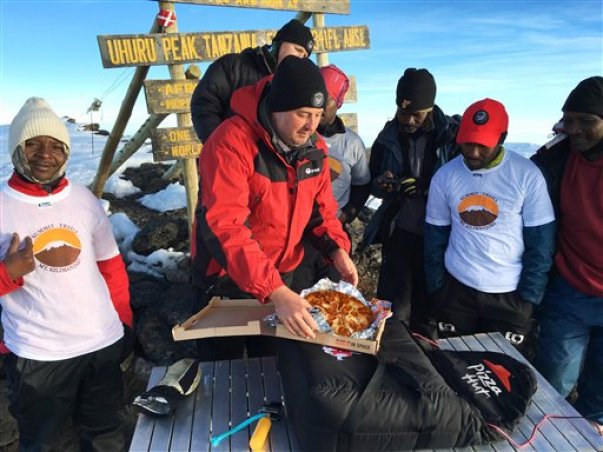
36	119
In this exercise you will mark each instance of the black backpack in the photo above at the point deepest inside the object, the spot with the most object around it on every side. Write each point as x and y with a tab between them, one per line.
402	399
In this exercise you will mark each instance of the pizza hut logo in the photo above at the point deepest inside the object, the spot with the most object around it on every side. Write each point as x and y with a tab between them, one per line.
479	378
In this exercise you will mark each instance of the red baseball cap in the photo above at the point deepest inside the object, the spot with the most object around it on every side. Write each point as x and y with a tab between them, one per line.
336	81
484	122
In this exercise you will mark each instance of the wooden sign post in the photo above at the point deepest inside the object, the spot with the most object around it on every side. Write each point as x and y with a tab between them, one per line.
184	120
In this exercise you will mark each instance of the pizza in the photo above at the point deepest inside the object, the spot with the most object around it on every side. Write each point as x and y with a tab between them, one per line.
344	313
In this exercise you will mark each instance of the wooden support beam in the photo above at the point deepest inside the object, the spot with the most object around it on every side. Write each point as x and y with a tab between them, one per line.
135	142
191	178
318	21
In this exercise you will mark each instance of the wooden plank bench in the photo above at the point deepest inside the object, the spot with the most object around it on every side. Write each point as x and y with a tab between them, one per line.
232	391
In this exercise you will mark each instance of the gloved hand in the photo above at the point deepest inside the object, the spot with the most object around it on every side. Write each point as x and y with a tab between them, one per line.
408	187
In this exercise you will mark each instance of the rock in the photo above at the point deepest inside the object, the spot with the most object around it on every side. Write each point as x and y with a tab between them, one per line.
154	335
177	303
148	177
162	233
181	272
93	127
145	292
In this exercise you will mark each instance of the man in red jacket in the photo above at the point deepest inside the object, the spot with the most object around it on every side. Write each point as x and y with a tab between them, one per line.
63	291
264	179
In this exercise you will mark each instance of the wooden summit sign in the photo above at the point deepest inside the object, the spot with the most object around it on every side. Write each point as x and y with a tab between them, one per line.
169	96
174	96
177	48
172	143
310	6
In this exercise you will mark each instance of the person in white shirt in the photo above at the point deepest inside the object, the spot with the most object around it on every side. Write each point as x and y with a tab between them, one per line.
489	233
64	294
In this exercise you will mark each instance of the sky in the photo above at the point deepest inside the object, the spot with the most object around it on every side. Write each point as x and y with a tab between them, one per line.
528	54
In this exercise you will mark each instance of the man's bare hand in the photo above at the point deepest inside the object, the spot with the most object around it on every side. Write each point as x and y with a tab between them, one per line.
292	310
383	181
344	265
19	262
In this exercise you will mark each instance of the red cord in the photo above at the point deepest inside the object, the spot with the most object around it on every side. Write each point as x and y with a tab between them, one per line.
426	339
531	438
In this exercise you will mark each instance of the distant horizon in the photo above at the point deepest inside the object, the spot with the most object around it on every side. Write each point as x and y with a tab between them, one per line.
529	55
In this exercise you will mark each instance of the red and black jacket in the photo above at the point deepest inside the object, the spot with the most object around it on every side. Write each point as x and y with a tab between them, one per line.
253	206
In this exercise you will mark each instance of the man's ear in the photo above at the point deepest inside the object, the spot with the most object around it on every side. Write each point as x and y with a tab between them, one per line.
503	137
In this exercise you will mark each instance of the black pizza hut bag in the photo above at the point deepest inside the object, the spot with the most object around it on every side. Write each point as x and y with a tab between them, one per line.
497	385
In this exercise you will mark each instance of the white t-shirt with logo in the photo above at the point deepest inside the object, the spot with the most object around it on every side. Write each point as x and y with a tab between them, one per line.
487	210
349	164
64	308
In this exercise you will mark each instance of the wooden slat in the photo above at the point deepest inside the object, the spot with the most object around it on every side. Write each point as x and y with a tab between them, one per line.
183	424
255	385
202	427
279	436
145	423
221	404
238	403
312	6
162	435
178	48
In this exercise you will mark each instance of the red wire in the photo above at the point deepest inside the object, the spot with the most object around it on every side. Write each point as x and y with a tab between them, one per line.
531	438
426	339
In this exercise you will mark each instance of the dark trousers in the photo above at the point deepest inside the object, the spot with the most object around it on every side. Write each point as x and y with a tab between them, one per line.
459	310
402	280
312	269
89	388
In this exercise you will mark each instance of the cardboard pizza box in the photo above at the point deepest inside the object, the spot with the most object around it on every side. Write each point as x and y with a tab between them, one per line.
221	318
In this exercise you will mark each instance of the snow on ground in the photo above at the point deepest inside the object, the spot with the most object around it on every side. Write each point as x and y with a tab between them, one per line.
171	197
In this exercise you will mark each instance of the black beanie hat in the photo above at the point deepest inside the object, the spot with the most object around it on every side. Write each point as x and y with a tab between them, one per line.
297	33
586	97
297	83
416	90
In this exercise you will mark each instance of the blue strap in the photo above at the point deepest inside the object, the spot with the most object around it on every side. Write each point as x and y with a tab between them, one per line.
217	439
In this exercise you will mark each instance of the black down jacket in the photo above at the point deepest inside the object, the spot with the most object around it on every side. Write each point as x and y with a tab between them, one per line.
210	103
395	401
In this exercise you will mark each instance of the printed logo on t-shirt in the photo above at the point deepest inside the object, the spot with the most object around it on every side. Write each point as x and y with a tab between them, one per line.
57	248
478	210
